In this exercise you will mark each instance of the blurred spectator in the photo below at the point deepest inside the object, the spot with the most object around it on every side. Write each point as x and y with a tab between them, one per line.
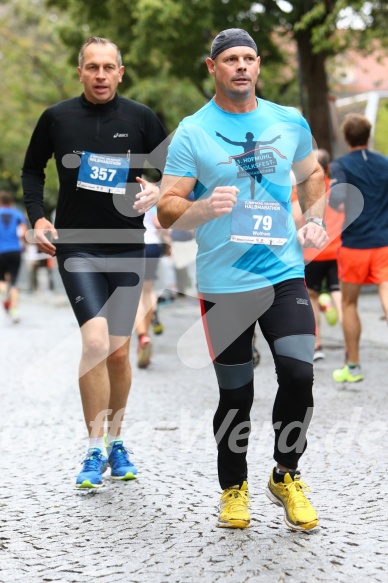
13	226
321	269
156	243
184	251
38	263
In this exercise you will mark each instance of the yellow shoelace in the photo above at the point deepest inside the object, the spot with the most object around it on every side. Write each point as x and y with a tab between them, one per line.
296	490
235	498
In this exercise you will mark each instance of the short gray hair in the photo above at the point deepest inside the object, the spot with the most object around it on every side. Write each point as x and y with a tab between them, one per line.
94	40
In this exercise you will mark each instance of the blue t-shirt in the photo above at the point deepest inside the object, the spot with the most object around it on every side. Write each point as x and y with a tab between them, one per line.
360	180
10	219
253	151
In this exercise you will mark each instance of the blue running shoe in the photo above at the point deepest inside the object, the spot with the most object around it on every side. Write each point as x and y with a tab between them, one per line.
94	465
121	466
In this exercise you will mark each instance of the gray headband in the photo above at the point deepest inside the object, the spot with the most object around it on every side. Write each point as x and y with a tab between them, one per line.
231	37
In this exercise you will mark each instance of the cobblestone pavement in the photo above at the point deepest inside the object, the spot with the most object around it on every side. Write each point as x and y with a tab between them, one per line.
161	527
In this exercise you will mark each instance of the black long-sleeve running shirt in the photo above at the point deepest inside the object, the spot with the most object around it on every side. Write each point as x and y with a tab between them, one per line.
72	127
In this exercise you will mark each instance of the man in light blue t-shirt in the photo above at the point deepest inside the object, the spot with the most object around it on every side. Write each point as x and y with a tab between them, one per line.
237	154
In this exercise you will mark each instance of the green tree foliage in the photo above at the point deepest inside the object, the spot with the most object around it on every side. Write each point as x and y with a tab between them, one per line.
165	43
322	29
381	136
35	74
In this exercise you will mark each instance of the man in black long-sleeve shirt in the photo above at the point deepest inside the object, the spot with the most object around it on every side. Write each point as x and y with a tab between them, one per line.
100	142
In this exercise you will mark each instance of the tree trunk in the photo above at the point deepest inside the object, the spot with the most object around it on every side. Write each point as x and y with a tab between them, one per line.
314	87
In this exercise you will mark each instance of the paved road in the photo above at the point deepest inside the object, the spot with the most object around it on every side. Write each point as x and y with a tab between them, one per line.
161	527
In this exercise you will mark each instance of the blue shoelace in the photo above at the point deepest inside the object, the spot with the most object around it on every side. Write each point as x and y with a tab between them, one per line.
92	462
119	456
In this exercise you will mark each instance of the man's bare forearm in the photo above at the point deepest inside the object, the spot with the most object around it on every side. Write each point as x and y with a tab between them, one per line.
177	212
312	195
174	208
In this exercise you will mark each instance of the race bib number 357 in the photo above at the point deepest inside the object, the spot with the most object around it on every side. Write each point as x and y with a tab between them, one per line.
103	173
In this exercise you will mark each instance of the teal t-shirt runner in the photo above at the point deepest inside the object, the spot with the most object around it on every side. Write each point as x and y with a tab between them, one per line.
255	245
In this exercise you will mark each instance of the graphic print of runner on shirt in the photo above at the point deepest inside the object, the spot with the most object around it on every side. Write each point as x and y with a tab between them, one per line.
249	146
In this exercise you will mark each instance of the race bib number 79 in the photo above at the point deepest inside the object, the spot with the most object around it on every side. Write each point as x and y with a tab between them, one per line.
103	173
259	223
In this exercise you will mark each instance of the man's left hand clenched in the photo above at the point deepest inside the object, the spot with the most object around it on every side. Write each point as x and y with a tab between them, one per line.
312	235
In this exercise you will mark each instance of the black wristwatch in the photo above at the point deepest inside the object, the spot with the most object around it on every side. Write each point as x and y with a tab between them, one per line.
319	222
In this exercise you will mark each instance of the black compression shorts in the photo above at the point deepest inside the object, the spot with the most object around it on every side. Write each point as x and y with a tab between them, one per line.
10	264
282	311
318	271
106	286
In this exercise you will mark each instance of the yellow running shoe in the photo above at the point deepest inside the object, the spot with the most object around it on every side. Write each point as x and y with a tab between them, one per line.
348	374
328	309
234	504
299	514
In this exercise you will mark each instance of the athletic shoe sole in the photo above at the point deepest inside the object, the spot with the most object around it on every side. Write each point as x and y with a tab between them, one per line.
128	476
345	381
87	485
234	524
